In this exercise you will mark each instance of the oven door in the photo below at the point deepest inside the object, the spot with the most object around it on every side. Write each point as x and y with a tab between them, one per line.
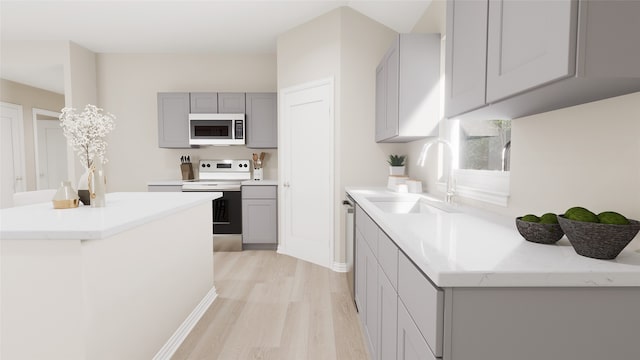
227	213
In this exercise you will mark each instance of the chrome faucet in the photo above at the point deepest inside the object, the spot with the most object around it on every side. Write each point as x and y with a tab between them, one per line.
451	191
506	156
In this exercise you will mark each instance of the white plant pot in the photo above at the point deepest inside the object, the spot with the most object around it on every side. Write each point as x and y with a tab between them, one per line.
396	170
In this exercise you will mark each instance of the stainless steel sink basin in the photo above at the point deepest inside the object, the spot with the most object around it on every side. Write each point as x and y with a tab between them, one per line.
400	205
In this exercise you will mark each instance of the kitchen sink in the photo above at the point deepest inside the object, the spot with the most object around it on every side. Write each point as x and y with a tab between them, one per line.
417	205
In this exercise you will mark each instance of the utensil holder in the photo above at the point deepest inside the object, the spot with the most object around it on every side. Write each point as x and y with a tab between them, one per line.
187	171
257	174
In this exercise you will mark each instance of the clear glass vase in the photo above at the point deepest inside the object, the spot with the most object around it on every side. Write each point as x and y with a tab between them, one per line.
66	197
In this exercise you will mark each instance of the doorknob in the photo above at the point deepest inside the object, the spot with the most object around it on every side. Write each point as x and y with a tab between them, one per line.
18	178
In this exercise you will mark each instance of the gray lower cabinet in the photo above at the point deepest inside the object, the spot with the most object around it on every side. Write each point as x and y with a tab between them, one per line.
262	120
531	66
411	344
388	313
259	217
231	103
407	96
173	120
423	321
378	274
424	301
164	188
204	103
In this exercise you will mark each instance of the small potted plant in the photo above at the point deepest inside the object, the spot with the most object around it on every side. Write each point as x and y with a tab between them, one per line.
396	165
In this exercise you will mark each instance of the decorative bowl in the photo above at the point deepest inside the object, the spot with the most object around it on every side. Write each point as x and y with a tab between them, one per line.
596	240
539	233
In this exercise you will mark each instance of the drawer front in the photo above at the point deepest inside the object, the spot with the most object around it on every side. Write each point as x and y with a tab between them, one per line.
424	302
388	258
368	229
258	192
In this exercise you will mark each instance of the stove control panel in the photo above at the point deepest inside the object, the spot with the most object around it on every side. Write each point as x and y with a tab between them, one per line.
225	169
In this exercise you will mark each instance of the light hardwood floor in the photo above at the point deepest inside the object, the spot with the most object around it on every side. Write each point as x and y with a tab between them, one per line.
273	306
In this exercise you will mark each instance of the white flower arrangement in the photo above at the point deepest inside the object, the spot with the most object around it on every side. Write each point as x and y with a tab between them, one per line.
86	132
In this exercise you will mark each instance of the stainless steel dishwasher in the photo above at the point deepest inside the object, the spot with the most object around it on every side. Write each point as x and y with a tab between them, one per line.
349	215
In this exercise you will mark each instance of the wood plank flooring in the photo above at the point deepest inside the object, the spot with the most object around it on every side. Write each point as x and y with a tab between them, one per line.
272	306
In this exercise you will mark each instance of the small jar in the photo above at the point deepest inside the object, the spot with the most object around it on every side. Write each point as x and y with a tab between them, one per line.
66	197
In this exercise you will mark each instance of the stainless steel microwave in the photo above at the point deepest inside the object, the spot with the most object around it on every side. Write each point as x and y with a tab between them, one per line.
216	129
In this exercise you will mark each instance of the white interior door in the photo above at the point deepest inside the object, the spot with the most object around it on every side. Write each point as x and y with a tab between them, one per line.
12	172
51	162
306	167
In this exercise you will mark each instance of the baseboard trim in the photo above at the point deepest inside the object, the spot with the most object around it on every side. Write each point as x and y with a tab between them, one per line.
340	267
174	342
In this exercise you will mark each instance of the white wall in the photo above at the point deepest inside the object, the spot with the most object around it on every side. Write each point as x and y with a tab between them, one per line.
127	87
80	90
30	98
347	46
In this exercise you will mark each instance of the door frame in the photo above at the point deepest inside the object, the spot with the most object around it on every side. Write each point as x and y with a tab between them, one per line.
283	139
19	167
34	115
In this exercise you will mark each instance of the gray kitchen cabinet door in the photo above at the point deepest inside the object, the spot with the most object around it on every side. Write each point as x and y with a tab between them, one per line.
407	96
164	188
173	120
262	120
371	299
411	344
360	276
389	92
259	217
204	103
231	103
424	302
530	43
466	56
381	101
259	223
388	316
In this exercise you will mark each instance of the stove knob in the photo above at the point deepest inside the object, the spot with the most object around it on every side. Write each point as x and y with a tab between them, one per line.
245	165
203	165
208	165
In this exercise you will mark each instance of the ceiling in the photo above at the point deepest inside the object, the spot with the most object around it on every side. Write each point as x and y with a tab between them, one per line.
149	26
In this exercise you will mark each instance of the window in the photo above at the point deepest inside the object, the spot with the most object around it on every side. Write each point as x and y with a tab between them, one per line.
484	156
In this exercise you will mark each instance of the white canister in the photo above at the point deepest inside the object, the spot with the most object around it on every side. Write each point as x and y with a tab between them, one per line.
257	174
414	186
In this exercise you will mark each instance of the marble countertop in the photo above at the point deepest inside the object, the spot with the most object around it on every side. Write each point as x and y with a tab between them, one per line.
165	183
123	211
261	182
269	182
469	248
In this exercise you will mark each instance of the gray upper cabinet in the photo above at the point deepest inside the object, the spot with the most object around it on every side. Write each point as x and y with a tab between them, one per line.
522	54
204	103
407	96
173	120
262	120
540	55
466	56
231	103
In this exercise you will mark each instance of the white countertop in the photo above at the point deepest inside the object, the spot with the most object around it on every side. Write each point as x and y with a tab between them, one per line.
468	249
261	182
165	183
123	211
267	182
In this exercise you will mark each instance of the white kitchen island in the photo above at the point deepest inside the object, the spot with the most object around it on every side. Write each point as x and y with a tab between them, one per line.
127	281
